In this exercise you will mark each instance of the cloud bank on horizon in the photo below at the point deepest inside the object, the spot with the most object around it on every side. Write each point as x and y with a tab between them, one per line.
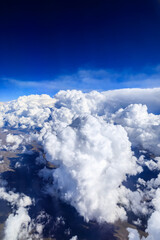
93	139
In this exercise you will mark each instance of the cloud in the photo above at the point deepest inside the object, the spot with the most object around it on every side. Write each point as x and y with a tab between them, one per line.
154	221
133	234
28	111
20	229
20	216
142	128
74	238
14	141
153	224
14	198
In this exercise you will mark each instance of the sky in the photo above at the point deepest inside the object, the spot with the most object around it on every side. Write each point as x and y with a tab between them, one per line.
50	45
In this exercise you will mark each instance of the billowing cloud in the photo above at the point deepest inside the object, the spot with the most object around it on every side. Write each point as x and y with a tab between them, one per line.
93	158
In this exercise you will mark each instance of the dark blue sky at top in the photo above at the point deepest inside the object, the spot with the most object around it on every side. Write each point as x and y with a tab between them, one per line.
41	41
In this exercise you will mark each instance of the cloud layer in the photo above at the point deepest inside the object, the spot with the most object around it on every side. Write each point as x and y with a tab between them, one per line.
97	141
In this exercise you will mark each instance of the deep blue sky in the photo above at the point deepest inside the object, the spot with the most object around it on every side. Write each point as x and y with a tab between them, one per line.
53	44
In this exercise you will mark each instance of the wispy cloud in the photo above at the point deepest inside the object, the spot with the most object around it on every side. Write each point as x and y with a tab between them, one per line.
52	84
87	80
